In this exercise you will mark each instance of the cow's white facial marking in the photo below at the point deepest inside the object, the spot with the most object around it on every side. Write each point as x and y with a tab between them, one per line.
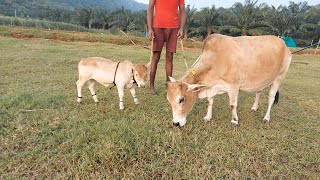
178	119
181	101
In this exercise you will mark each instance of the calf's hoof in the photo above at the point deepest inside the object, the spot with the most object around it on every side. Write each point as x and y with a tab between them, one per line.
265	121
207	118
254	110
234	123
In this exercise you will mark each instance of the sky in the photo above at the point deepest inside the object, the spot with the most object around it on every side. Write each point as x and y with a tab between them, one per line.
228	3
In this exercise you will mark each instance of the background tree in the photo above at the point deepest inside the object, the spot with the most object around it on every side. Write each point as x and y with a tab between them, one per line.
298	20
84	17
190	20
207	18
245	18
312	24
123	19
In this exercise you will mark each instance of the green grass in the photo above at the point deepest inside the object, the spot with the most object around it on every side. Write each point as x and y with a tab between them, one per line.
44	133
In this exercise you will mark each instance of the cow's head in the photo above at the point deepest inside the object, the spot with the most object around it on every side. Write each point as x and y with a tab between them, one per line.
140	74
181	97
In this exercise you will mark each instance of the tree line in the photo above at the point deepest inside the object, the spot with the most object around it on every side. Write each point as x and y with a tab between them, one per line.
299	20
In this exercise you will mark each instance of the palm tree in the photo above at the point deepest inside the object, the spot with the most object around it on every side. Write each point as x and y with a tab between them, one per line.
245	18
312	23
299	12
84	17
139	22
208	18
280	21
123	18
104	18
190	20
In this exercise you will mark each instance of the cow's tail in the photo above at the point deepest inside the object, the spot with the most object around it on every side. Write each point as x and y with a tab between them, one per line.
276	99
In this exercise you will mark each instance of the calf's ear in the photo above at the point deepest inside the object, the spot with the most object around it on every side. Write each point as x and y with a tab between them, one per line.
148	65
196	87
172	79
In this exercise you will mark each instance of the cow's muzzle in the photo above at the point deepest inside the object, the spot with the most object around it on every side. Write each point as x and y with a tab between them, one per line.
176	124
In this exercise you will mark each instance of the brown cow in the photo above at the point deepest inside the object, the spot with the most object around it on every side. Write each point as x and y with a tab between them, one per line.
107	72
227	65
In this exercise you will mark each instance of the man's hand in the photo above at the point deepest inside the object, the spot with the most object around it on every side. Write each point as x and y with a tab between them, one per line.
150	34
180	33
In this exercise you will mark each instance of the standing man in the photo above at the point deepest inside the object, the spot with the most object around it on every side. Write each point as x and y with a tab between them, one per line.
165	20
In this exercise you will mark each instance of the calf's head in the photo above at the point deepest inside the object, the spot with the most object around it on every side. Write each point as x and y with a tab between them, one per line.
181	97
140	74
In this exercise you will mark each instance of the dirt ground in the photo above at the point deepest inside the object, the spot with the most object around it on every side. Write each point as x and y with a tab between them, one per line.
307	51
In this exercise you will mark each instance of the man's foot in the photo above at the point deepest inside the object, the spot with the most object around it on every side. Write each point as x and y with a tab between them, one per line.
153	93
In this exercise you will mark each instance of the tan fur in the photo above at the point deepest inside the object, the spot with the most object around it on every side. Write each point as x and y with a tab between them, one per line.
103	71
230	64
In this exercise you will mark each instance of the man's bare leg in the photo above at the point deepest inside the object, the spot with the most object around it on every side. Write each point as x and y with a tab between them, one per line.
153	70
169	64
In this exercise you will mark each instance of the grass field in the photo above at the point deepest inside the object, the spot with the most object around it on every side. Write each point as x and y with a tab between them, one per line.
45	134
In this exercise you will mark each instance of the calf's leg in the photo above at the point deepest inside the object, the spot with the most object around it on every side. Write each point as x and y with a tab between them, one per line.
133	93
92	90
80	83
121	94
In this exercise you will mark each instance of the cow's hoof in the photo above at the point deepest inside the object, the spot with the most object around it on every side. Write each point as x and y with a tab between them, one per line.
265	121
235	125
254	110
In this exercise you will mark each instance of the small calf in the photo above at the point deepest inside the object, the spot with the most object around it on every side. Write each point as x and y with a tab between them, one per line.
107	72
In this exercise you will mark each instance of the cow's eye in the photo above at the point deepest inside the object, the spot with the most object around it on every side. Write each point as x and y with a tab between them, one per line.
181	100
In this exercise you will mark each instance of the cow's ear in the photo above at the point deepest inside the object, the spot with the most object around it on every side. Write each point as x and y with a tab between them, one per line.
196	87
172	79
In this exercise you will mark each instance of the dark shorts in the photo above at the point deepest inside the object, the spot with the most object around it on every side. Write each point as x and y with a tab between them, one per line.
168	35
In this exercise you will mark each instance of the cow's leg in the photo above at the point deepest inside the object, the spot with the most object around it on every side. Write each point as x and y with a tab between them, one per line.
233	99
209	113
92	91
133	93
121	94
256	101
80	83
272	93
